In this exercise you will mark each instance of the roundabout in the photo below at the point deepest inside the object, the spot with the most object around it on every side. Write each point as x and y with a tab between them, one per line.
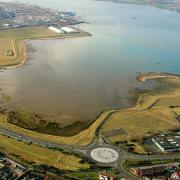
104	155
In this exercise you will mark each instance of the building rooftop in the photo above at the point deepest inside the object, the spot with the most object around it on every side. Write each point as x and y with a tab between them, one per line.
168	142
68	30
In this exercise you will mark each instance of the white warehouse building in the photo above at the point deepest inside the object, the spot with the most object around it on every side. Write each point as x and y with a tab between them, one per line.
56	29
69	30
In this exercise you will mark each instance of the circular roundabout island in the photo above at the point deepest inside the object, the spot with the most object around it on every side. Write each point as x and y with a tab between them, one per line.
104	155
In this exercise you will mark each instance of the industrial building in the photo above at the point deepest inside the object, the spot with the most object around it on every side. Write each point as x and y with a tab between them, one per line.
55	29
69	30
167	142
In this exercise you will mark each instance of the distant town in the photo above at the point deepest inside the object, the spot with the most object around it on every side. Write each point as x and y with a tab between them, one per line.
20	15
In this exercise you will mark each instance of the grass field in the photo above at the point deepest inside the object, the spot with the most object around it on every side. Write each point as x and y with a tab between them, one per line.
152	115
128	163
91	175
84	175
12	52
5	45
36	154
27	33
13	49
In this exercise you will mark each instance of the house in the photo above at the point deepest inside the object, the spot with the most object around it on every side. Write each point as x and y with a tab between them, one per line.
106	176
1	165
151	171
175	175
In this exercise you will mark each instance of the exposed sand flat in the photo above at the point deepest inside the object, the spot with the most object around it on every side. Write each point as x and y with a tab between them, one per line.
153	75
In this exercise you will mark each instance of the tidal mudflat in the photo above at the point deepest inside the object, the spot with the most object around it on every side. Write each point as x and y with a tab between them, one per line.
76	79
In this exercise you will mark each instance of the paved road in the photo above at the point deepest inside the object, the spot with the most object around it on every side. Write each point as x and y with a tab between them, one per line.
86	151
43	143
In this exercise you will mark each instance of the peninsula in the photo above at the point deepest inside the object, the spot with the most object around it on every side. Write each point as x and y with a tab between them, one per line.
18	25
153	75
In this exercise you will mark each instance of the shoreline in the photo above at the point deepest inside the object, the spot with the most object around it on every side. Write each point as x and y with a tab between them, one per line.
146	108
84	137
147	4
25	51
